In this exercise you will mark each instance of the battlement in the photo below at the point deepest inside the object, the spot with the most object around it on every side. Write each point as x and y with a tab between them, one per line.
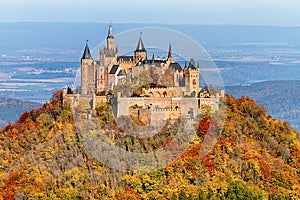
157	110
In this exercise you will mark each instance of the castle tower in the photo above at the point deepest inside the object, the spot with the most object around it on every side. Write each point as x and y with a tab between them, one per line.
140	53
170	58
191	74
87	72
110	39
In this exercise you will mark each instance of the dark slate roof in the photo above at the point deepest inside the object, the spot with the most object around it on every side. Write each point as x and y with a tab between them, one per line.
142	62
125	58
140	46
170	51
192	64
86	53
114	69
176	66
110	33
98	63
121	73
157	63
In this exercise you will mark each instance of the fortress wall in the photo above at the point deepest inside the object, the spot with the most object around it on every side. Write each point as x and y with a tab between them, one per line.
189	105
158	118
68	99
142	114
212	102
171	91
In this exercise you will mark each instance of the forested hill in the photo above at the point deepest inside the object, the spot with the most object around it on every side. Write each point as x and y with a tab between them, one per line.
281	98
255	157
11	109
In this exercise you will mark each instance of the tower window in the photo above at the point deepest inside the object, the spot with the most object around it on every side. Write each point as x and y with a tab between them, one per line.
194	82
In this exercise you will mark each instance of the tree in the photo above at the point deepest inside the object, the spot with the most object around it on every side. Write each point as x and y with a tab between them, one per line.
144	78
168	78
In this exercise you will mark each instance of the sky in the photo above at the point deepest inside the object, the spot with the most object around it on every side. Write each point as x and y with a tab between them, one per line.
229	12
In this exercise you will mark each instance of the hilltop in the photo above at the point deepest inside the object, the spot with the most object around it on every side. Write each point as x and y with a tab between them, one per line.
255	157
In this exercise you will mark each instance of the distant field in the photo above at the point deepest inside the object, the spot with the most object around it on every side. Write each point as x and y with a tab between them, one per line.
35	81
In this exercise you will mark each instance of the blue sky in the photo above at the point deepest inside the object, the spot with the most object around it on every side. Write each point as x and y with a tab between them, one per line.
234	12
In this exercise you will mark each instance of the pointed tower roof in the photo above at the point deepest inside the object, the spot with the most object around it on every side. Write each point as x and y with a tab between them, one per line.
110	32
140	46
192	64
86	53
170	51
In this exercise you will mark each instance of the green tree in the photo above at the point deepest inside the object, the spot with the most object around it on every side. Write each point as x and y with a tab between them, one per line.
144	78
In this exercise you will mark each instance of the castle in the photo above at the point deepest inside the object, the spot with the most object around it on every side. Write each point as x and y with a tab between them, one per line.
111	69
168	89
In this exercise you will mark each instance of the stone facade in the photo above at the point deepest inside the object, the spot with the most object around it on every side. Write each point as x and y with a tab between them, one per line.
182	98
111	69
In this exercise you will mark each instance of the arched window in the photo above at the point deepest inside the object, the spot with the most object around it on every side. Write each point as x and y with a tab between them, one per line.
194	82
165	93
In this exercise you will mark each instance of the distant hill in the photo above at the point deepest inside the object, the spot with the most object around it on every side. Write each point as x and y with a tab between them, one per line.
255	157
30	37
281	98
11	109
248	72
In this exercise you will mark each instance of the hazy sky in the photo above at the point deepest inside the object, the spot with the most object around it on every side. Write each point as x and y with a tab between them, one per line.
242	12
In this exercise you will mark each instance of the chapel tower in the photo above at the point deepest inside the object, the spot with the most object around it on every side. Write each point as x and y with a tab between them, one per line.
191	74
140	53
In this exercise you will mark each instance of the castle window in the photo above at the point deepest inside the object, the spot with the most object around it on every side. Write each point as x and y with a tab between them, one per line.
194	82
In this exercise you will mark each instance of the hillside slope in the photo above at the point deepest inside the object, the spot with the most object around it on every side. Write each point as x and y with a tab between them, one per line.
255	157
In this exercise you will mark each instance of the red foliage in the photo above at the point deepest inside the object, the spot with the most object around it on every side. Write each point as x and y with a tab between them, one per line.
8	127
203	125
57	98
23	117
13	133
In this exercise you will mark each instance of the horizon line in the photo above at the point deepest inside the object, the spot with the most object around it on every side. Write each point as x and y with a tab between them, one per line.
160	23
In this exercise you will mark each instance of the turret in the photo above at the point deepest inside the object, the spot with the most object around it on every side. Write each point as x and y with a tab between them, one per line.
170	58
192	74
87	72
86	53
140	52
110	39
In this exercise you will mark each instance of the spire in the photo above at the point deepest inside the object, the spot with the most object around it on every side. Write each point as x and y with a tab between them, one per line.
110	32
140	46
192	64
86	53
170	52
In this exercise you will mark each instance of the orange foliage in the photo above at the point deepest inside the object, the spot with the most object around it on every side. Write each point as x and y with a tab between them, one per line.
209	165
15	180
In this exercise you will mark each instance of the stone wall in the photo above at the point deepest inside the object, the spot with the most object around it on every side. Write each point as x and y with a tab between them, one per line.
213	102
